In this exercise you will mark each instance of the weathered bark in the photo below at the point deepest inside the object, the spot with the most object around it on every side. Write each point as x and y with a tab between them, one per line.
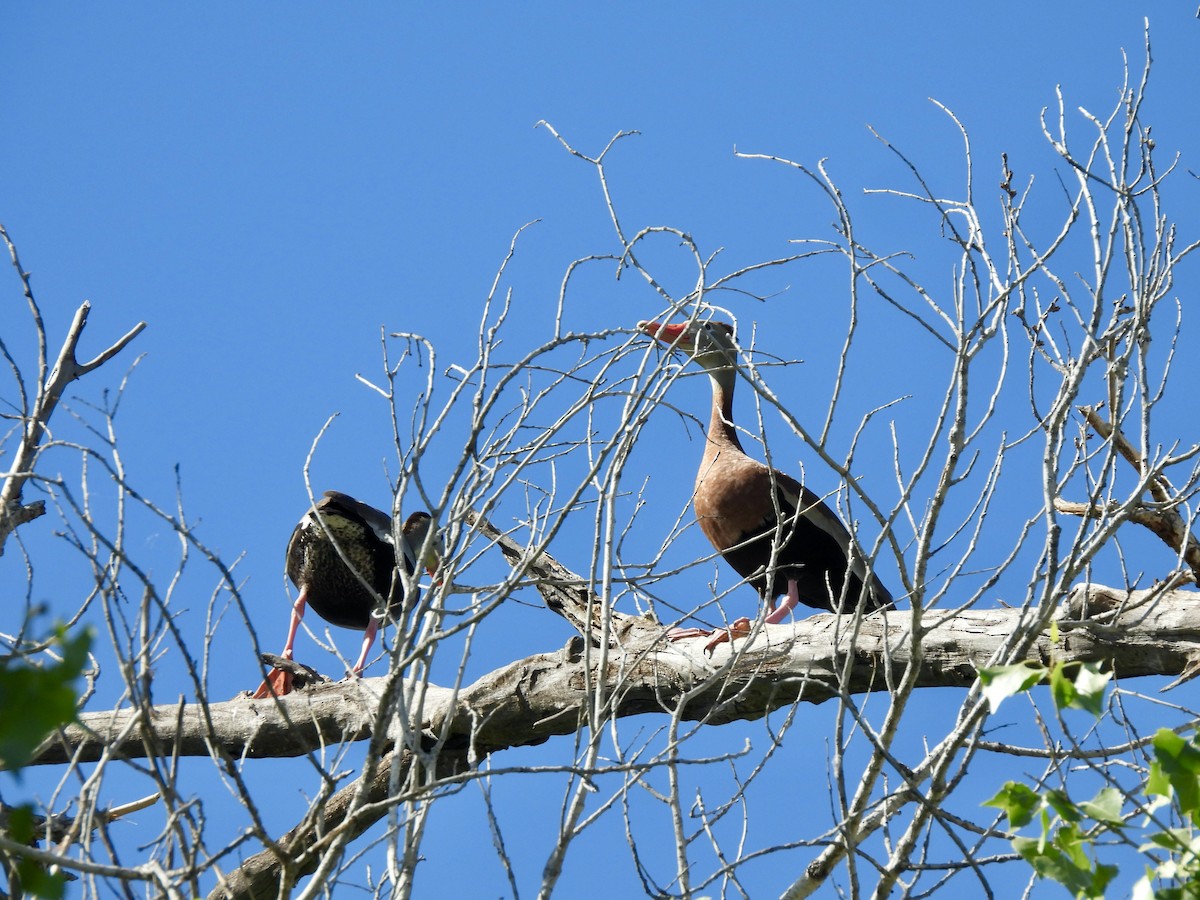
533	699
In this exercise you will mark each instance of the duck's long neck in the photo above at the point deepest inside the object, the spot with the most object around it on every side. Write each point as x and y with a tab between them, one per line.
721	433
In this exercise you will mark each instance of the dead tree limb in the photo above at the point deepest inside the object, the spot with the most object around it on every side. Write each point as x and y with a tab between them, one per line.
50	388
1162	517
536	698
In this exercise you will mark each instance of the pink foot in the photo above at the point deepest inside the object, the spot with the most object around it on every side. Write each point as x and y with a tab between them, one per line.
740	628
682	634
277	683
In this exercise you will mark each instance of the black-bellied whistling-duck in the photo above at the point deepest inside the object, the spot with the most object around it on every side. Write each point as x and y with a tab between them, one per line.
752	513
342	560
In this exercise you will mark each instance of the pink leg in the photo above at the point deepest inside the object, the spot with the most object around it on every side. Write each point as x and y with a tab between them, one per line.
368	640
778	614
297	615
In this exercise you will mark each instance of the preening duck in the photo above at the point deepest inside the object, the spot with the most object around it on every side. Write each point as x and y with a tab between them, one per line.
774	532
342	560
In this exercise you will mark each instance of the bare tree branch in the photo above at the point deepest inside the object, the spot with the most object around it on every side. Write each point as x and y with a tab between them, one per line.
533	699
67	368
1163	518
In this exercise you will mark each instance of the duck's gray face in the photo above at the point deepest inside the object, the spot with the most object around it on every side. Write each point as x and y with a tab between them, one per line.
710	344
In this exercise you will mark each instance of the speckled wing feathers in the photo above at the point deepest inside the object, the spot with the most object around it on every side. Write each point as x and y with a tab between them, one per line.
363	538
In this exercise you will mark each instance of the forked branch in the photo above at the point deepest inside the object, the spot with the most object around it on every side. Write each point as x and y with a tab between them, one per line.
67	368
1162	517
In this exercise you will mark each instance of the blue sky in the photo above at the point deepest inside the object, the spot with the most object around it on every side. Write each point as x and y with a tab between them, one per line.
268	186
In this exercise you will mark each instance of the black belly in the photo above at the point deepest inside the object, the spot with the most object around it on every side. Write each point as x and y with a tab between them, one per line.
812	557
334	591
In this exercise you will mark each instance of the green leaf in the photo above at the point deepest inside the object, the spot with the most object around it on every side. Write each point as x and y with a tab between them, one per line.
20	823
1105	807
1065	861
1179	761
1063	805
1090	685
1078	685
36	699
1018	801
1062	689
33	878
1050	862
1176	840
1157	784
1101	877
37	882
1030	849
1001	682
1070	841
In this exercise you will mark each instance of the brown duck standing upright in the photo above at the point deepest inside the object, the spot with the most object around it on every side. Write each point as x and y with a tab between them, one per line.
342	560
758	518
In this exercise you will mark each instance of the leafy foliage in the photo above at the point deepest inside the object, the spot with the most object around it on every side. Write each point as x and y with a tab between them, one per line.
1070	831
1074	685
34	701
33	878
